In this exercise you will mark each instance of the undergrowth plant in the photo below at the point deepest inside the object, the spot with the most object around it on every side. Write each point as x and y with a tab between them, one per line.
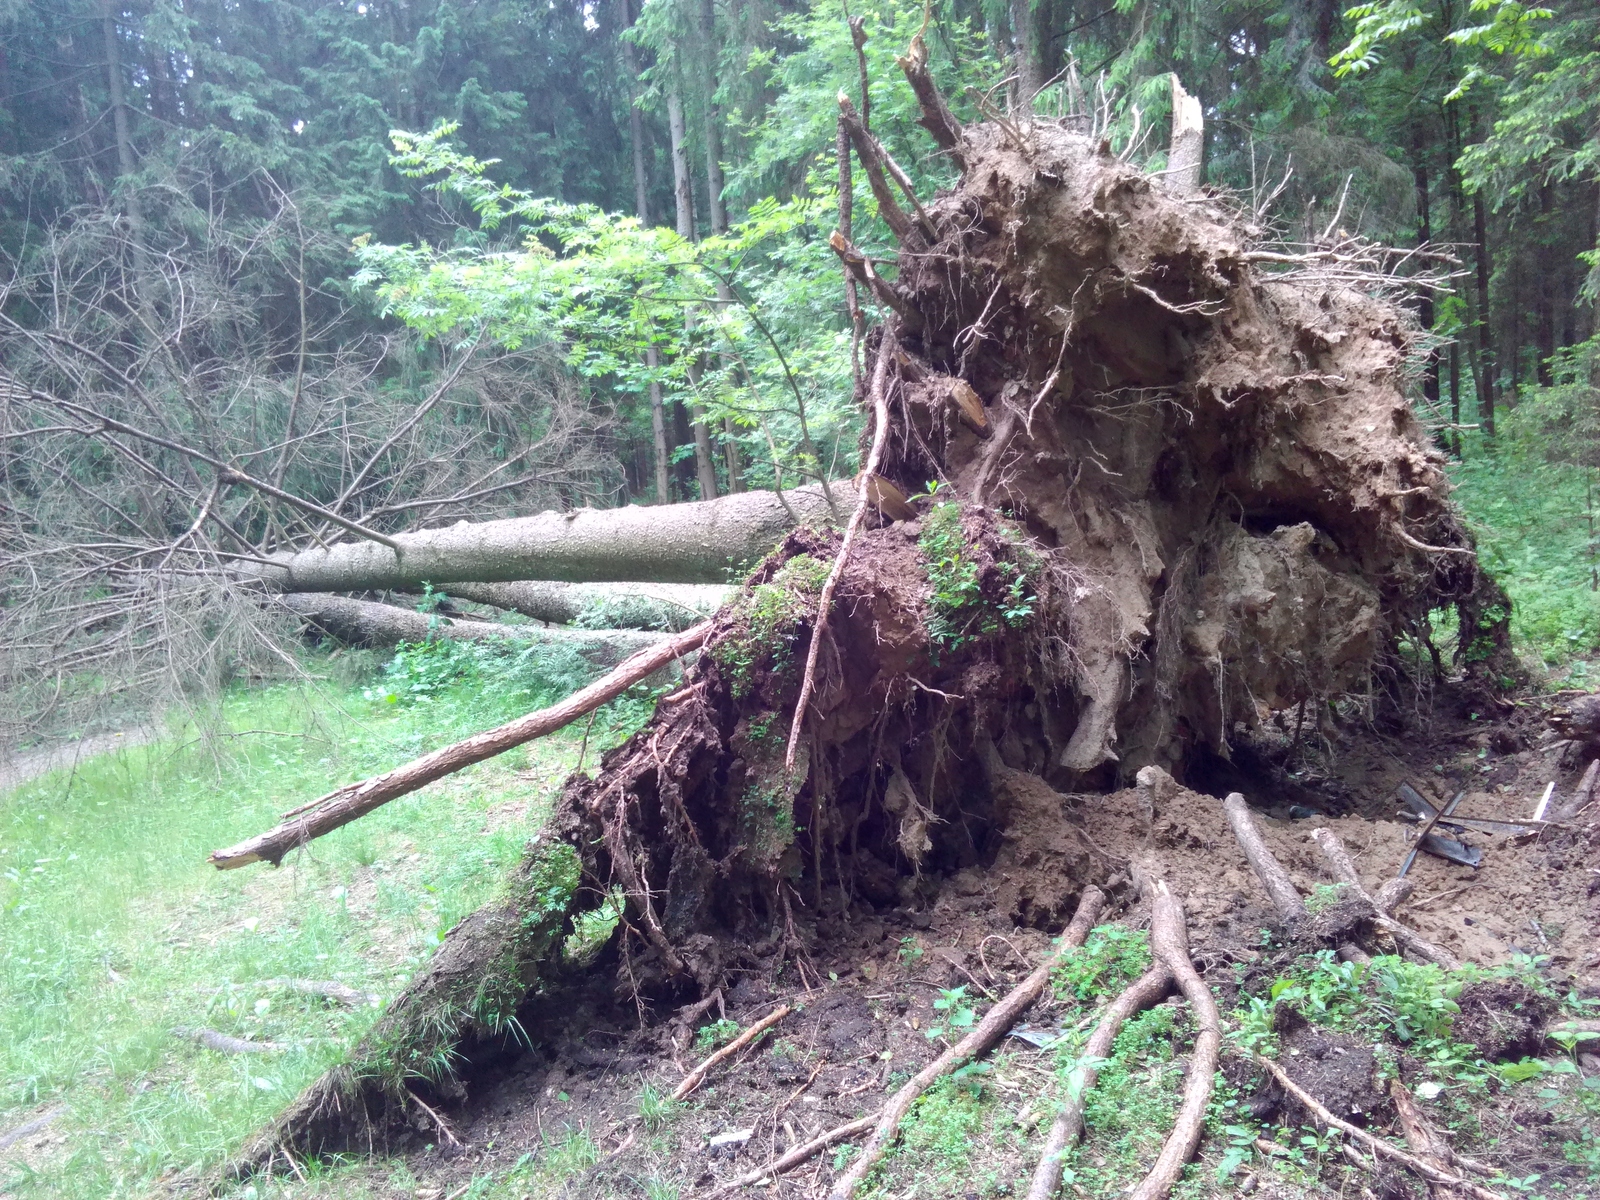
961	609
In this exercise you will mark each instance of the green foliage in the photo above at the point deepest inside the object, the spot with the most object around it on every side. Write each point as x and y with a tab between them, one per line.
1532	517
1112	957
767	619
961	611
719	1033
959	1015
656	1108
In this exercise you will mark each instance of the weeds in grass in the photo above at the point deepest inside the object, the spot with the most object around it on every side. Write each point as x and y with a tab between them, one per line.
114	931
1112	957
656	1108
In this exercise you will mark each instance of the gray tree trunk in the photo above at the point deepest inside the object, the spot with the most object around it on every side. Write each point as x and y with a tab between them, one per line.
601	605
710	541
367	623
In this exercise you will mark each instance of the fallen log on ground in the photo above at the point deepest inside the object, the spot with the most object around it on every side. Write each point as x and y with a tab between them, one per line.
1064	1131
1169	941
224	1043
1203	495
707	541
994	1026
673	606
345	804
370	624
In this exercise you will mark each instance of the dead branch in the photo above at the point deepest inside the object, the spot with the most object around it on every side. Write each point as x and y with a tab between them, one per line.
937	118
697	1076
1320	1112
30	1127
1581	796
871	154
1285	896
995	1024
800	1154
880	435
859	267
223	1044
1169	939
1139	994
354	800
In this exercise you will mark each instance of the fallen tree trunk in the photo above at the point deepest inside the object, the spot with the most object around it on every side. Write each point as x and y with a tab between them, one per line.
674	606
1200	496
367	623
345	804
710	541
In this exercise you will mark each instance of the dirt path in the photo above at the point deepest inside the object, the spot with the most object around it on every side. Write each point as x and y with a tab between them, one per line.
31	764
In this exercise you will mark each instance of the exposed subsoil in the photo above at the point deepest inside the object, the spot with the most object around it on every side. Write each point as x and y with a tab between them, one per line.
864	1002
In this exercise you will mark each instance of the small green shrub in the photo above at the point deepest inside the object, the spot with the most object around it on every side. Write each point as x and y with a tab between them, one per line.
718	1033
961	611
1112	957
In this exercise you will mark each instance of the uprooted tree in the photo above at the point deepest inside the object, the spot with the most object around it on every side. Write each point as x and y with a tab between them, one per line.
1177	487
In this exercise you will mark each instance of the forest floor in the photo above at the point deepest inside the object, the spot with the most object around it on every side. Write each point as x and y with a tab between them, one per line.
116	934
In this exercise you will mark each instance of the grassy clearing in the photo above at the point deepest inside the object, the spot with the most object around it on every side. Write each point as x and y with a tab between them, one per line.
114	932
1532	519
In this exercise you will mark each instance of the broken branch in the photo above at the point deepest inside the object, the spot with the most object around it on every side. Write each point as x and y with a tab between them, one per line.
937	118
345	804
1343	869
990	1030
697	1076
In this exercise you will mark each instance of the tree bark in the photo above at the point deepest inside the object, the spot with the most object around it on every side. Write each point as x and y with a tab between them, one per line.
370	624
344	805
1188	141
641	206
624	605
706	542
683	194
1486	365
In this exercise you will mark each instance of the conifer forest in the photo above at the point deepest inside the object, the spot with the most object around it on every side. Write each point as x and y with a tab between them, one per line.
799	598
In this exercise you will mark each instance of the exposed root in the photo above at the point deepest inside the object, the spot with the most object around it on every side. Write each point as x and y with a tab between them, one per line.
990	1030
1169	940
697	1076
1319	1111
1408	939
1280	888
1138	995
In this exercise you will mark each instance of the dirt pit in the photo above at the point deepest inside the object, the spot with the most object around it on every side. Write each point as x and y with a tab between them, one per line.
588	1115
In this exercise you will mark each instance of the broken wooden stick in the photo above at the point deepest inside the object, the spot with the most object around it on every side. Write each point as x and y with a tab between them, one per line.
1169	939
1139	994
990	1030
880	437
1581	796
1343	869
1323	1117
1425	1141
799	1154
343	805
1285	896
697	1076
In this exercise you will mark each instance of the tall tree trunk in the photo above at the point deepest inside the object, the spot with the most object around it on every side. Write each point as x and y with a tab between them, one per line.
683	193
1425	315
1545	290
641	204
1029	59
1486	363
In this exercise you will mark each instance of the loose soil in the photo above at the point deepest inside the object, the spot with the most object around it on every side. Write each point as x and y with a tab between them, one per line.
865	984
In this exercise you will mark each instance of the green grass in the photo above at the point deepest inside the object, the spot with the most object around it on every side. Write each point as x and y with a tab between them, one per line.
114	931
1531	519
